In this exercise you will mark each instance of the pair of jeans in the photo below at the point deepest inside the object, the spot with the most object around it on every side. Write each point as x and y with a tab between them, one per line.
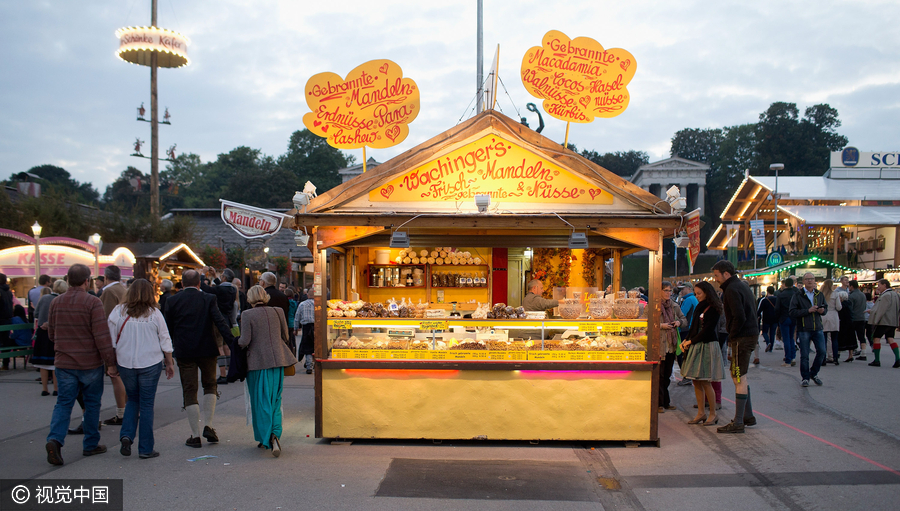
787	337
835	344
70	382
140	385
768	333
817	337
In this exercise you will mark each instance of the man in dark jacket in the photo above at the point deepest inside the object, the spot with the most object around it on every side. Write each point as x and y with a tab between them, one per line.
786	323
743	336
807	308
226	294
191	316
857	316
767	310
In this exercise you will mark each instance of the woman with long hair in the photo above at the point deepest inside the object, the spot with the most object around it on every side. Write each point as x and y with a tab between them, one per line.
141	338
265	334
44	352
670	321
831	321
703	361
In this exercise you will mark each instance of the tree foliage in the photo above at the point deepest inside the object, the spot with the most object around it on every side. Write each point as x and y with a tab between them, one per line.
621	163
310	158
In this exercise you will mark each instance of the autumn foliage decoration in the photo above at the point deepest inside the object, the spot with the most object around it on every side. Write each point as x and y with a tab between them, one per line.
588	263
214	257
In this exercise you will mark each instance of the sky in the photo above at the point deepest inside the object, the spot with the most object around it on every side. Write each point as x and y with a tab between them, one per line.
67	100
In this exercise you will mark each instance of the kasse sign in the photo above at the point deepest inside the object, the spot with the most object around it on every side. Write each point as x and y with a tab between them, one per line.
251	222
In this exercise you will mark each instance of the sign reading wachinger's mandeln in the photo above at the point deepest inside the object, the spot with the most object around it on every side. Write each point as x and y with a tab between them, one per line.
493	166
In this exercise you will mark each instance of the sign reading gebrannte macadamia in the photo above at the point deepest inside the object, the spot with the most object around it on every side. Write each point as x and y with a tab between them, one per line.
371	106
578	79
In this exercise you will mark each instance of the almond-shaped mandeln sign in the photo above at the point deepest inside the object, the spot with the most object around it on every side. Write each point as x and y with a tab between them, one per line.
251	222
371	107
578	79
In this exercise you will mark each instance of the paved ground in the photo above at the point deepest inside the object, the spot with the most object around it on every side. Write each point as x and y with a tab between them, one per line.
830	447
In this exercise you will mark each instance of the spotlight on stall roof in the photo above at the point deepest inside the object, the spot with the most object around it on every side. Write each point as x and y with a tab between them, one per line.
482	201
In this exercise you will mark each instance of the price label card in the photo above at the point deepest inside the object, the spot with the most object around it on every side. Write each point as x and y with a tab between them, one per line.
612	326
341	324
587	327
433	325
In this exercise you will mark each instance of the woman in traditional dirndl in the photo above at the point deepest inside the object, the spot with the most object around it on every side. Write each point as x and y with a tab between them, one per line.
703	361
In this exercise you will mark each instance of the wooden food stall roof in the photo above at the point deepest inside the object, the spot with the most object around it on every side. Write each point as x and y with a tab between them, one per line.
353	213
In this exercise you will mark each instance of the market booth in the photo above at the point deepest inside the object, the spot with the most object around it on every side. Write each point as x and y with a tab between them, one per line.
396	358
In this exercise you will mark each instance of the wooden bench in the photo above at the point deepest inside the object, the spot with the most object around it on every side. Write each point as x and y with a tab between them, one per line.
14	352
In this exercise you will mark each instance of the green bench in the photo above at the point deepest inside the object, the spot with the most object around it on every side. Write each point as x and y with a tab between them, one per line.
14	352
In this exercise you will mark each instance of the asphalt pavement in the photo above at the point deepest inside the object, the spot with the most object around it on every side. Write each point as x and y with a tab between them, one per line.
831	447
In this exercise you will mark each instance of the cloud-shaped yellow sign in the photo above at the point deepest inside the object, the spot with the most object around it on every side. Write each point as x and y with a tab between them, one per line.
577	79
370	107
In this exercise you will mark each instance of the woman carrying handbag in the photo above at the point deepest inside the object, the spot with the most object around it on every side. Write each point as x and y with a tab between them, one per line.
265	334
141	339
703	362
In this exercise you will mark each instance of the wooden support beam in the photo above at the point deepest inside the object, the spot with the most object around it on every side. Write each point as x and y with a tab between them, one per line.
617	270
654	292
646	238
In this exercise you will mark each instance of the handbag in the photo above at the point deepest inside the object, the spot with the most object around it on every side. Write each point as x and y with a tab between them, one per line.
678	350
290	370
237	367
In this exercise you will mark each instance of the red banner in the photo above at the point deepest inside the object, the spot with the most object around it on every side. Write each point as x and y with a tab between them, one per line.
693	231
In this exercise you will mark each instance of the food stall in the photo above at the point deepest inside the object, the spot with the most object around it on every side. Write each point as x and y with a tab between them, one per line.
395	360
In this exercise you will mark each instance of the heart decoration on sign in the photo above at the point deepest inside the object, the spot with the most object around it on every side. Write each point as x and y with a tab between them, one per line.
584	101
624	64
325	129
317	123
384	68
387	191
595	192
393	132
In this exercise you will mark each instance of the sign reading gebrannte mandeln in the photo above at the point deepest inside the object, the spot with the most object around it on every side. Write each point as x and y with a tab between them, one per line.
371	107
577	79
251	222
494	166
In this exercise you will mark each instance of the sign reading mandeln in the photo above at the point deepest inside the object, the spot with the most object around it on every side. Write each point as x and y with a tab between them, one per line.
251	222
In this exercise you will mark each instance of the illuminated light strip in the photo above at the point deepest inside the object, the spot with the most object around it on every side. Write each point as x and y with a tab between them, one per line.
182	247
716	233
826	442
733	197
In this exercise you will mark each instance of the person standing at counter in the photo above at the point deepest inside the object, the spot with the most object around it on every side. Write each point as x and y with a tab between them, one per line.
534	301
669	323
703	361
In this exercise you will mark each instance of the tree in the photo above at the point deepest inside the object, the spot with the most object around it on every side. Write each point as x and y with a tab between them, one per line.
621	163
310	158
697	144
802	145
131	190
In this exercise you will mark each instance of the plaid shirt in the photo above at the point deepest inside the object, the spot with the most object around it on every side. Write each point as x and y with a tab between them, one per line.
79	331
306	312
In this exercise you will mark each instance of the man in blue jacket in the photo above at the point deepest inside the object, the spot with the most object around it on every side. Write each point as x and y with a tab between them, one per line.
807	308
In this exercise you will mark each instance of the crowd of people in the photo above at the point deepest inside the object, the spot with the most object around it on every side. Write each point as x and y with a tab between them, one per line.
703	328
86	329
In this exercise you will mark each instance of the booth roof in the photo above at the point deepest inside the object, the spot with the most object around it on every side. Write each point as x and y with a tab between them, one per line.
793	264
846	215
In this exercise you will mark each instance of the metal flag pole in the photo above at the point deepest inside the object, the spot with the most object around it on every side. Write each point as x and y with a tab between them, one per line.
479	65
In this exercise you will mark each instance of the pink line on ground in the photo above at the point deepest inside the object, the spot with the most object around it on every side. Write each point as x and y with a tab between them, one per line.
838	447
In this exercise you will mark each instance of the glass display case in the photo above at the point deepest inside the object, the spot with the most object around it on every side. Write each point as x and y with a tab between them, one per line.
486	339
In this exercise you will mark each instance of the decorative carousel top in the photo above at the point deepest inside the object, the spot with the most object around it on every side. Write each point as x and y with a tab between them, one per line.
136	44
